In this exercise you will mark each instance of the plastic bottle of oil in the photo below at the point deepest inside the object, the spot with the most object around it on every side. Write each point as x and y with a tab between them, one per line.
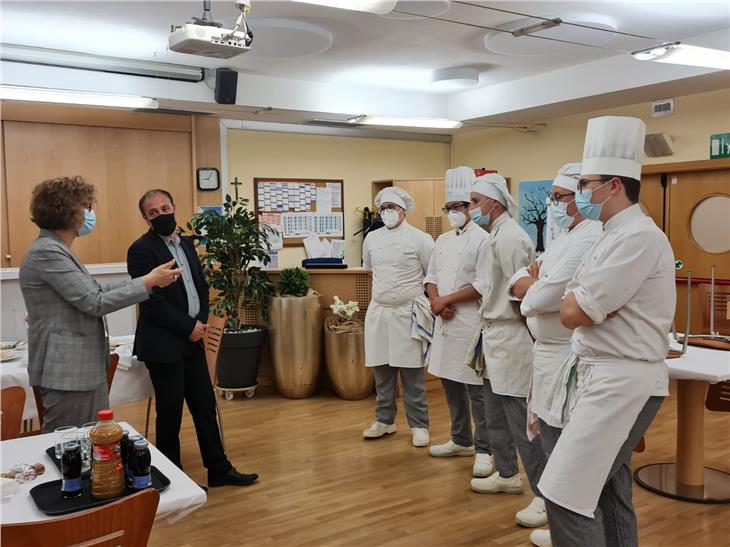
107	471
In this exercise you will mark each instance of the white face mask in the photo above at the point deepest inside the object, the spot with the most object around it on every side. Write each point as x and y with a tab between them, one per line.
390	217
457	219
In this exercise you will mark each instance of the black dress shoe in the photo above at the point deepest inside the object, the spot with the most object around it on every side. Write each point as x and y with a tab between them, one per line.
231	478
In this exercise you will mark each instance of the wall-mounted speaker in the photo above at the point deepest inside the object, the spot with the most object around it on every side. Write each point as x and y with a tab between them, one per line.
658	144
226	83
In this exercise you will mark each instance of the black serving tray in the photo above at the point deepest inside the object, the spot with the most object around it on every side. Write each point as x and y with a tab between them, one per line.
49	500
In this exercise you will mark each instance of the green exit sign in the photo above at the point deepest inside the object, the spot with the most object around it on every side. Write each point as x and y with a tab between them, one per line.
720	146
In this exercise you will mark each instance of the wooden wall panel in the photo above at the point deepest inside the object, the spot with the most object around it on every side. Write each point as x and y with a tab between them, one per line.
121	163
207	153
137	161
95	117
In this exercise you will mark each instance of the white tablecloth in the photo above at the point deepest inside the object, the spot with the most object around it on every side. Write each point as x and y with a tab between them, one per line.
131	380
181	498
709	365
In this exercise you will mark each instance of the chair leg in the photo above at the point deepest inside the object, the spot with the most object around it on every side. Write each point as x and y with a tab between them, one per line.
220	423
147	420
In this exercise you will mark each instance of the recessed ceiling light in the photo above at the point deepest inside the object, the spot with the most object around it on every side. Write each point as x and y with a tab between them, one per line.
379	7
418	9
678	53
64	96
454	78
393	121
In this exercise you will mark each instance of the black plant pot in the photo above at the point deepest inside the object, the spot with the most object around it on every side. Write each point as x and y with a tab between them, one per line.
240	355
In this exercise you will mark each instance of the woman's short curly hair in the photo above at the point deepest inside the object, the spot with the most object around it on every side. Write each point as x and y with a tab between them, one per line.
58	204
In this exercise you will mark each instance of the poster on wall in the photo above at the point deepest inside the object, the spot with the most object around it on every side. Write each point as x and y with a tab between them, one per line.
299	208
533	202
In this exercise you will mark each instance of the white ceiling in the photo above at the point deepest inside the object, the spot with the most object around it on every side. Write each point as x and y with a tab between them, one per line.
368	51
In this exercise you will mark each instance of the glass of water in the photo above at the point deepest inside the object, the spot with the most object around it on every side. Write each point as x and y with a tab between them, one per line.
86	446
60	435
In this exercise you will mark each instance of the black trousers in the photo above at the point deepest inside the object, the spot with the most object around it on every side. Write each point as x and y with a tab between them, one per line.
187	379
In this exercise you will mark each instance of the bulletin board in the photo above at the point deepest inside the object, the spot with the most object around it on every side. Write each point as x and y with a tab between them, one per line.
296	208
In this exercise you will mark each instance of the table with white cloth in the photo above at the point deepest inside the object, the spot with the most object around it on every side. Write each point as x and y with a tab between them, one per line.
131	381
688	479
181	498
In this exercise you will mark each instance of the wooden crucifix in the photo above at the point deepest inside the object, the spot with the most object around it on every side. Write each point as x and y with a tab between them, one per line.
236	184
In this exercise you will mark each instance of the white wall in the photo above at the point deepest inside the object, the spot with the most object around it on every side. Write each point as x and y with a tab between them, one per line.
12	327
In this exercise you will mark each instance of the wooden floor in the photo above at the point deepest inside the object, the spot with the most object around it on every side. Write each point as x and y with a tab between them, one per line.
322	484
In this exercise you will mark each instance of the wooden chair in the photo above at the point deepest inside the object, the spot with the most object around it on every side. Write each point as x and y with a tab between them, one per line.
718	397
13	402
722	322
110	370
213	340
126	522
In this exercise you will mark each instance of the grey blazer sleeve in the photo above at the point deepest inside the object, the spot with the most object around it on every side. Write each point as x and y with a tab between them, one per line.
80	290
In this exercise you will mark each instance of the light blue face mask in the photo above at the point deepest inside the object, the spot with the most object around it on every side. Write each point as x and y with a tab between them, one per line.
480	218
591	211
560	216
89	222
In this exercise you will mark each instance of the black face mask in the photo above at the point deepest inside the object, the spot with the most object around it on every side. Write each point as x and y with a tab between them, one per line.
164	224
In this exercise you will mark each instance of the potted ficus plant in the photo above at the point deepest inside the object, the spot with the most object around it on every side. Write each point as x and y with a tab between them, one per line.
295	337
344	351
235	247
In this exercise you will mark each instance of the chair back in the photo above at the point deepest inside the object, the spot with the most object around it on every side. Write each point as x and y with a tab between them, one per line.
718	397
126	522
722	322
111	369
213	340
13	402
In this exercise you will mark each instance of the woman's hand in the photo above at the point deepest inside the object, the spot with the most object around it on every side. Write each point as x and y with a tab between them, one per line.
162	276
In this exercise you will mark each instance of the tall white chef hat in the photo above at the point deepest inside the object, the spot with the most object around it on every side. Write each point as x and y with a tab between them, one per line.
614	146
494	186
396	195
458	183
568	177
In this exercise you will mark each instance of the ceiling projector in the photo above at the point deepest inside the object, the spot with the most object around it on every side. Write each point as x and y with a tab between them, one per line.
208	41
205	37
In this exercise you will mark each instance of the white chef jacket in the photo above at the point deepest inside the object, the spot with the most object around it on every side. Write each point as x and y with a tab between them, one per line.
398	260
506	342
453	267
630	271
541	306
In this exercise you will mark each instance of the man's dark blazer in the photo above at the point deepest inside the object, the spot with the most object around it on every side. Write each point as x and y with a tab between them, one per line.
164	324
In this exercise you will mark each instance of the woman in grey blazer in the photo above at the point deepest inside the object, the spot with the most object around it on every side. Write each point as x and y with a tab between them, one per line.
68	347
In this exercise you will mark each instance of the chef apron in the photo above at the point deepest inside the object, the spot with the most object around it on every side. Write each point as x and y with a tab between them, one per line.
451	338
609	396
507	347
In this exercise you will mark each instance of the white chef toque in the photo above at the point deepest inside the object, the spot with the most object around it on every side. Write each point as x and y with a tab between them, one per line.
396	195
494	186
568	177
458	183
614	146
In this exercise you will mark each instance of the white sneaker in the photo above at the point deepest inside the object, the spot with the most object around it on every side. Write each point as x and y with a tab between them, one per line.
420	436
496	483
541	538
378	429
450	449
534	515
483	465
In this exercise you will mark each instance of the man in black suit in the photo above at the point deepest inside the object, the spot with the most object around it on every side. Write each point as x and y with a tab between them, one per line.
169	339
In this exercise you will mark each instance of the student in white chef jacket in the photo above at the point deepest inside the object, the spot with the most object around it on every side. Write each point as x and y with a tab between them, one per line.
398	256
506	342
621	304
454	291
541	287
